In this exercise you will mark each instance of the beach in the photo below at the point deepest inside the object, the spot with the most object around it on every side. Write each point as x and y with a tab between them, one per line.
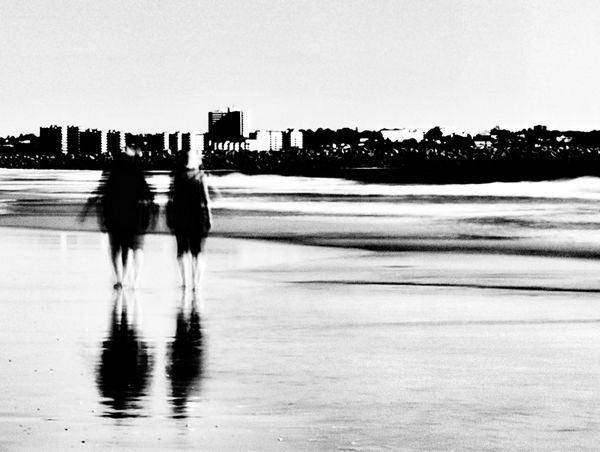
308	348
293	346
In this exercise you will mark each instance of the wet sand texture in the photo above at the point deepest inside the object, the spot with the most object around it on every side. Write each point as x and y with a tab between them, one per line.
296	348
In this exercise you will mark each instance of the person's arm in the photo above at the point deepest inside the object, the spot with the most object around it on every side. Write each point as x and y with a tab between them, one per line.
207	200
214	191
169	208
92	201
148	202
95	197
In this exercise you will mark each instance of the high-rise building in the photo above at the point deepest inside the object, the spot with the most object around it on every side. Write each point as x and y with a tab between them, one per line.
197	142
265	140
186	141
73	140
226	125
275	140
147	143
90	141
52	140
158	143
115	141
192	141
163	138
292	138
175	142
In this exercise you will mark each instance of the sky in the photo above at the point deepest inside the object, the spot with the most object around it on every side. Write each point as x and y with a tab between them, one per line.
150	65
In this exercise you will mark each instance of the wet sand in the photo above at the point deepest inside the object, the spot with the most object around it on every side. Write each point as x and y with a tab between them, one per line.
367	233
296	347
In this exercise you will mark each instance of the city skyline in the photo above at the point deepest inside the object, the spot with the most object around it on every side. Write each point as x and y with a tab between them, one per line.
143	66
226	131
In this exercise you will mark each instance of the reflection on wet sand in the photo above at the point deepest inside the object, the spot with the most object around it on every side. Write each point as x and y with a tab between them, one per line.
123	373
185	360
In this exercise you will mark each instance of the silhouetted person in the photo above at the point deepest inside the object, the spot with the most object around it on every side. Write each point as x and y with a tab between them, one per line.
189	216
185	361
123	372
126	208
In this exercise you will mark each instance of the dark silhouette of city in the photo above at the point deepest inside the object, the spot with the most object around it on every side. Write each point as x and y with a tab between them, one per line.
386	155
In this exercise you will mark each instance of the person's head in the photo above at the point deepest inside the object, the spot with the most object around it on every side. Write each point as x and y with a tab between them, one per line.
192	159
132	151
125	157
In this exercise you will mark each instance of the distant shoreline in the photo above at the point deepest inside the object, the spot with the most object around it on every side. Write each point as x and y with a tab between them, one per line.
419	174
532	154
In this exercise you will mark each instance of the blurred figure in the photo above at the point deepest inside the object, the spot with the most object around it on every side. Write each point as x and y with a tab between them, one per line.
185	360
123	372
126	209
189	217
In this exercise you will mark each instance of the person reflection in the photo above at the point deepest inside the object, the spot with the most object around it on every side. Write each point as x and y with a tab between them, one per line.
185	361
123	372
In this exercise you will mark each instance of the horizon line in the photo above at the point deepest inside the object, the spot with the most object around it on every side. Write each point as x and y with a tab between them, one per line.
445	129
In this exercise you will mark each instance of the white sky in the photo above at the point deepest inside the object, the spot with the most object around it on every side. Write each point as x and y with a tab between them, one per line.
151	65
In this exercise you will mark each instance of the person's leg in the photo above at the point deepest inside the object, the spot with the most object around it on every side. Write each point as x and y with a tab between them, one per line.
182	257
115	251
132	258
197	305
137	243
195	286
125	260
118	306
138	263
198	262
135	317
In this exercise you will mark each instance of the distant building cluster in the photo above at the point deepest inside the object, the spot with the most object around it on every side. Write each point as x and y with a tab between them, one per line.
227	131
439	155
73	140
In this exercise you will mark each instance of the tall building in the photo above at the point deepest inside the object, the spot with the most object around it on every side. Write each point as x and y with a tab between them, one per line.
115	141
158	142
52	140
193	141
163	138
90	141
73	140
131	140
197	142
275	140
265	140
293	138
175	142
226	125
186	141
147	143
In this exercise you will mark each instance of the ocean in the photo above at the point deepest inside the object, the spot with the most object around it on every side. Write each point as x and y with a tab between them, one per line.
544	216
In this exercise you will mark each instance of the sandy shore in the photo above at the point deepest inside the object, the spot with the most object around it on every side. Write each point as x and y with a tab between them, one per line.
301	348
366	233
